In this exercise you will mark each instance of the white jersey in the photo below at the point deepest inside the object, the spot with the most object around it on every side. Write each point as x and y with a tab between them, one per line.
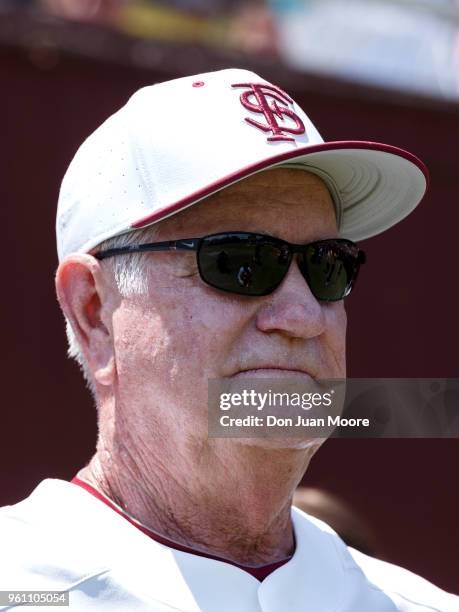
62	538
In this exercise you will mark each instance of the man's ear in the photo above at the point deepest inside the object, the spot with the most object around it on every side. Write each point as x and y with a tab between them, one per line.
86	299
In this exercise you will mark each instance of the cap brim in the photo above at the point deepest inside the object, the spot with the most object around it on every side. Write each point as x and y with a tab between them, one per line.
376	185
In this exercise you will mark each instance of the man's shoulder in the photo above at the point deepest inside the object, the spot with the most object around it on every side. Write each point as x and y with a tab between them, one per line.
62	538
408	591
41	543
407	588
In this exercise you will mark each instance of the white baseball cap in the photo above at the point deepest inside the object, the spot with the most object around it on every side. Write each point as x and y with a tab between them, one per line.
177	142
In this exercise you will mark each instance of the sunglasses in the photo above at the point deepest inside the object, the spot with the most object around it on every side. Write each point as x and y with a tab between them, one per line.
256	264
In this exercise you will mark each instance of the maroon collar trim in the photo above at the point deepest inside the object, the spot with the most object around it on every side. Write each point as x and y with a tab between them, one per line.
260	573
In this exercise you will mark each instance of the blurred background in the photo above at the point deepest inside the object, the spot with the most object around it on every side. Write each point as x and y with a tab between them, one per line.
412	45
362	69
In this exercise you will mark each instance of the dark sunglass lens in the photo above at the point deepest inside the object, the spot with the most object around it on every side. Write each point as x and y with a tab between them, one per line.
247	264
330	268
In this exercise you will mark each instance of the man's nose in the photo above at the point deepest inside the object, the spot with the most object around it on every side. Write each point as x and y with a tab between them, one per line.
292	309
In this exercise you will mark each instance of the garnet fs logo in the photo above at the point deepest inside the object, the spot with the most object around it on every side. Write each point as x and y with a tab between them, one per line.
256	99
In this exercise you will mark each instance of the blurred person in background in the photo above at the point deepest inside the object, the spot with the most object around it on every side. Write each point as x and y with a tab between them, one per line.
336	512
253	29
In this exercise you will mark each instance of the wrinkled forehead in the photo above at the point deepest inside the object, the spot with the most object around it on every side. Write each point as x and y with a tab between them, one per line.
283	195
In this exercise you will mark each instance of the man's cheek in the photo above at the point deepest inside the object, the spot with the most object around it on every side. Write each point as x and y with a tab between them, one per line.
336	323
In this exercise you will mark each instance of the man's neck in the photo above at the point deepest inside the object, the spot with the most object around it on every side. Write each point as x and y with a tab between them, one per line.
236	508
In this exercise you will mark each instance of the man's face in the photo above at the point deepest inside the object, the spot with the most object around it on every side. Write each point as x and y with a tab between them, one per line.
169	342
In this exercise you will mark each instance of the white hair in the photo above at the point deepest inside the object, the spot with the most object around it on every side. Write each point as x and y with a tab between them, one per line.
129	272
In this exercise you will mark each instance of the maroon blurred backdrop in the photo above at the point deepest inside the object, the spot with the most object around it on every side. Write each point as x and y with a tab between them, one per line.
59	83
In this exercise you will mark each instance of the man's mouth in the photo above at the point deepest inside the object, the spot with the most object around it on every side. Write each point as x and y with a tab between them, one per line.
270	371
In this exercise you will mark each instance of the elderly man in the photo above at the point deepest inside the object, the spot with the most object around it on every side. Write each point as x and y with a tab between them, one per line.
205	232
